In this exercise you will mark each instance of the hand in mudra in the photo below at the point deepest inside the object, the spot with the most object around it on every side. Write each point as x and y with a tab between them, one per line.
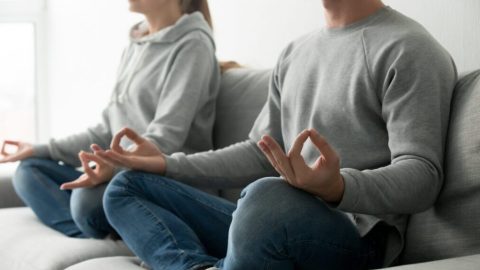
323	179
143	155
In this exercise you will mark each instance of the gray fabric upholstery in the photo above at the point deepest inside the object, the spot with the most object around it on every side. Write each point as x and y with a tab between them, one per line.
27	244
461	263
8	197
110	263
452	227
242	95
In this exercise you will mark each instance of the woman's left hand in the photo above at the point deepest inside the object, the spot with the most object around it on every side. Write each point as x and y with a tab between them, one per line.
103	172
323	179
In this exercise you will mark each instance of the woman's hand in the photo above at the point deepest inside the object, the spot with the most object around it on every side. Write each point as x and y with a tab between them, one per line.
103	172
24	150
143	155
323	179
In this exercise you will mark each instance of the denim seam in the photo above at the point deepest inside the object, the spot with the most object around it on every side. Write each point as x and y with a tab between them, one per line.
159	222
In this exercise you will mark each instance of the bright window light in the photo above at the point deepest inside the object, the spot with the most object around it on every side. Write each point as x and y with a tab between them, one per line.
17	82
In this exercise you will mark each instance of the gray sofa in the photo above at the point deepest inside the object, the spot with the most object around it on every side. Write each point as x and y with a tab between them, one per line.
445	237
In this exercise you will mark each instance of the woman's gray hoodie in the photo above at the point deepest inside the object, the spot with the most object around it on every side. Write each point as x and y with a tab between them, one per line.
166	90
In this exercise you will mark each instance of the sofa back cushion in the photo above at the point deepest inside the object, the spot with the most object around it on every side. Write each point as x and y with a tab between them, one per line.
452	227
243	92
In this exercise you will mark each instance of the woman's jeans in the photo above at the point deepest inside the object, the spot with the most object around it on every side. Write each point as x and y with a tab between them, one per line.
173	226
78	213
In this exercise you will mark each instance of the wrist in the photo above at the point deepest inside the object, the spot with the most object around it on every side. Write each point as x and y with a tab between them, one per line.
335	193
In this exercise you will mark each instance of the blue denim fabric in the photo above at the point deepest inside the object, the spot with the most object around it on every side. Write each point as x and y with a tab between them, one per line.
173	226
77	213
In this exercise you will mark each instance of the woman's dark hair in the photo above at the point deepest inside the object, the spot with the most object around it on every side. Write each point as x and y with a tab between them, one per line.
190	6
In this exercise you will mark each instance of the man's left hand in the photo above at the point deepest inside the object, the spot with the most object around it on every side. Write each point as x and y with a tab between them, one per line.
323	179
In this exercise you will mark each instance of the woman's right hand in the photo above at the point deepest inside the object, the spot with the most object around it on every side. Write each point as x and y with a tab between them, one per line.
143	155
24	150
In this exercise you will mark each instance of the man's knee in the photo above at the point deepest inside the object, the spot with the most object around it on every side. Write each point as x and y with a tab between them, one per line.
262	207
271	205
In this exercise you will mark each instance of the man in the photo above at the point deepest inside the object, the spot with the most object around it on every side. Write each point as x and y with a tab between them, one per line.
377	87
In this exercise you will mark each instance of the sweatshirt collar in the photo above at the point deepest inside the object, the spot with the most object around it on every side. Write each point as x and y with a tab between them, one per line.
380	14
186	24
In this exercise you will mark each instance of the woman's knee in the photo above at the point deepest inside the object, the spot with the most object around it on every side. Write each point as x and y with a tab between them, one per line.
87	210
25	174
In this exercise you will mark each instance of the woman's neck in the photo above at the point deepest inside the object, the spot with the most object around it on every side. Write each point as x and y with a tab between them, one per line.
157	22
340	13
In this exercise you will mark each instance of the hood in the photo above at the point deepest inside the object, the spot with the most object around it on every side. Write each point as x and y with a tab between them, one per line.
186	24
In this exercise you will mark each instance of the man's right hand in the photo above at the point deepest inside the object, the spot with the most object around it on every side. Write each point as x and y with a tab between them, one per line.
24	150
143	155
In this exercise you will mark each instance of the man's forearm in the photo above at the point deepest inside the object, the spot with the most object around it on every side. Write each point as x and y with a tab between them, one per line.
232	167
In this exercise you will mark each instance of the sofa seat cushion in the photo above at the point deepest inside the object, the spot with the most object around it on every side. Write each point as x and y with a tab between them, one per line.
110	263
460	263
28	244
451	227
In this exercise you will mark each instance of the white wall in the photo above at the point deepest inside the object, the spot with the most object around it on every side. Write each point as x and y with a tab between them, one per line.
85	43
87	37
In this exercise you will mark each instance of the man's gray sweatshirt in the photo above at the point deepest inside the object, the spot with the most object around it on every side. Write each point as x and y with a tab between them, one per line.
379	90
166	90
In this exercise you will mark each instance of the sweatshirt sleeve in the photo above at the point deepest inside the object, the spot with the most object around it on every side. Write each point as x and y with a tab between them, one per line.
416	89
66	149
191	83
239	164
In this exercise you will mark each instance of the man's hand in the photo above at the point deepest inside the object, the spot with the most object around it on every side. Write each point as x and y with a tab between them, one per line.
102	173
24	150
143	155
323	179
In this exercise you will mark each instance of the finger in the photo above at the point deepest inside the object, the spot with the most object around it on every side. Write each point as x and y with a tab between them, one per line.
130	134
133	136
4	146
107	158
94	158
16	143
96	147
79	183
266	151
5	160
321	143
295	154
280	157
9	158
4	152
117	159
115	145
85	160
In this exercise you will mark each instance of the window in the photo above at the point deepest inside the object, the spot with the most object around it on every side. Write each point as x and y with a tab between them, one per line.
21	29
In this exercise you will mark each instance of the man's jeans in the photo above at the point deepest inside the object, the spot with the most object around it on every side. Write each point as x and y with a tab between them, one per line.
76	214
173	226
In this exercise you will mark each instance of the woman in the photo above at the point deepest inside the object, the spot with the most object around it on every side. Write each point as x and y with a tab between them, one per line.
166	89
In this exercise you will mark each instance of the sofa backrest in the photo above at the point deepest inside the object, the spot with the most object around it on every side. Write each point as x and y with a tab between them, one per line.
452	227
243	92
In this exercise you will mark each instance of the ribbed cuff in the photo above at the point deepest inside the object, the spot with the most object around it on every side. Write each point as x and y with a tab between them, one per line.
350	194
41	151
171	166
